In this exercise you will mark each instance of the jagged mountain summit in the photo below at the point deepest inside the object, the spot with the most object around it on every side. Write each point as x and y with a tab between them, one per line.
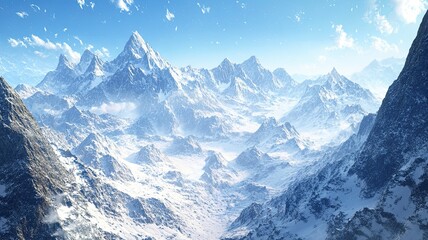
137	51
331	104
373	186
282	137
146	141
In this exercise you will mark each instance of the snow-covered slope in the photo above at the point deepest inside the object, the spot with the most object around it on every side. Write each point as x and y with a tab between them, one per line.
272	136
373	186
332	105
145	142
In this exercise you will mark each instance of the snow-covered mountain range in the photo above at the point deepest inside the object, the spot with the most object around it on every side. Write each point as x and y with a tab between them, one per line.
379	75
373	186
135	148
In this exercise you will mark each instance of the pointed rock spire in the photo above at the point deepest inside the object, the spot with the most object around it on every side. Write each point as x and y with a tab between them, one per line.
63	63
85	60
137	51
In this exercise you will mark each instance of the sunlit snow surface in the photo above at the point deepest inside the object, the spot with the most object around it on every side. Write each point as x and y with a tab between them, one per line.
170	153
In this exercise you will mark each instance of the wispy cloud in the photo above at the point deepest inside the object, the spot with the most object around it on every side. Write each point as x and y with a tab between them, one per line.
16	42
322	58
103	52
78	39
203	8
22	14
169	15
124	5
37	42
81	3
343	40
374	16
383	25
382	45
35	7
40	54
298	16
409	10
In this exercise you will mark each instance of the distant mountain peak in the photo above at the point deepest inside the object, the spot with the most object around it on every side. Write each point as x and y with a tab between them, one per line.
136	42
87	54
138	51
226	62
63	62
281	71
252	61
95	66
85	61
334	72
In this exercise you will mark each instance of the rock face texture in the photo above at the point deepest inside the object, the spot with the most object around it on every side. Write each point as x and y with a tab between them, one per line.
30	173
401	128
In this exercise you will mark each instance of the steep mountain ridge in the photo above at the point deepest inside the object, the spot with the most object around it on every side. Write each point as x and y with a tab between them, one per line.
31	175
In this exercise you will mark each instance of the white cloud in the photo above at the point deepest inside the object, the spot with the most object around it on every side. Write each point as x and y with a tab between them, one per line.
65	30
35	7
298	16
90	47
169	15
78	39
343	40
126	109
124	5
92	4
382	45
40	54
203	8
81	3
103	52
74	56
22	14
409	10
383	25
36	41
16	42
374	16
322	58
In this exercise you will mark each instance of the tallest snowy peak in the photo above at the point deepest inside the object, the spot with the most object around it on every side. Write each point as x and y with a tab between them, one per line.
334	72
137	43
252	61
139	53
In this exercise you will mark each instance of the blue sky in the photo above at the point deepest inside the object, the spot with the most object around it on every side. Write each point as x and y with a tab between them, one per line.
305	37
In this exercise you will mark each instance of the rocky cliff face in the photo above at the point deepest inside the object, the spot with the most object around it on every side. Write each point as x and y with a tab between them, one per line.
401	128
30	174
